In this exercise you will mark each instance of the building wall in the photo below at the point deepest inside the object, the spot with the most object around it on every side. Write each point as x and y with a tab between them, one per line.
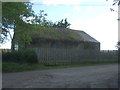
64	44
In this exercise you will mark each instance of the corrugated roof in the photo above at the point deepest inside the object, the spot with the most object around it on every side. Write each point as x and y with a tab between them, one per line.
85	36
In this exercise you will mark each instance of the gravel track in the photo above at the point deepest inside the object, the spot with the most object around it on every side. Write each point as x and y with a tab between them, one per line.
98	76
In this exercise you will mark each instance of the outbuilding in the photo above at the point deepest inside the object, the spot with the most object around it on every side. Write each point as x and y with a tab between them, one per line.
64	38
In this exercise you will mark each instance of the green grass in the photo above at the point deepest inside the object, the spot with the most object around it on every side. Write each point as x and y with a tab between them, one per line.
14	67
52	33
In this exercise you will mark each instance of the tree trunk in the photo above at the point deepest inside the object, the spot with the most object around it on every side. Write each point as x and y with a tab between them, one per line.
13	41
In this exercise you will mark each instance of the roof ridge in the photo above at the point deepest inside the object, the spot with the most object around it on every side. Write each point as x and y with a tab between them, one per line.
77	30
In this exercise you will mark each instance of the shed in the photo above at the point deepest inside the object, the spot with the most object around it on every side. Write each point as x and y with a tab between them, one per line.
64	38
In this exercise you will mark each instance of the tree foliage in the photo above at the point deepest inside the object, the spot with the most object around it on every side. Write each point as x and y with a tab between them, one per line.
116	2
20	17
63	23
40	18
13	12
12	15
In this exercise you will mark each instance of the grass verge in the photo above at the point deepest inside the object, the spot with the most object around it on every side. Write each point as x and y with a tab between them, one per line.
14	67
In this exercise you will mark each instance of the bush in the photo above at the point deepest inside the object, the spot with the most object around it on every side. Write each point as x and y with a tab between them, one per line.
9	56
29	56
23	56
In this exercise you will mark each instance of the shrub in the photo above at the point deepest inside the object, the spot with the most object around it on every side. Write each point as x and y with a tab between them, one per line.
28	56
23	56
8	56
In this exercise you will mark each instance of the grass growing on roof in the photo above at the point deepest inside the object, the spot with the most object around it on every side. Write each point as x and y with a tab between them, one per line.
55	33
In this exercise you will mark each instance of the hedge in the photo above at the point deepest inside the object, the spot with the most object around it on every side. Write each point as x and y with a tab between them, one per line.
23	56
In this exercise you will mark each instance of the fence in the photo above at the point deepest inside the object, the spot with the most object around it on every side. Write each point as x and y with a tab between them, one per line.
67	56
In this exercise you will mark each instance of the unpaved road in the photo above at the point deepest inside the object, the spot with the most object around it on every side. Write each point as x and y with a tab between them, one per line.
99	76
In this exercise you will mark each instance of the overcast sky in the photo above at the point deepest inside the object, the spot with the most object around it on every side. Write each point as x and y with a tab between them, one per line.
92	16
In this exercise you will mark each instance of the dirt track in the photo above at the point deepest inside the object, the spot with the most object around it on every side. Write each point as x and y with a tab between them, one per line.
101	76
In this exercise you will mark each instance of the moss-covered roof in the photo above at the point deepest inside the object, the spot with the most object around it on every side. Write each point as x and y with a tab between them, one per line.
56	34
50	33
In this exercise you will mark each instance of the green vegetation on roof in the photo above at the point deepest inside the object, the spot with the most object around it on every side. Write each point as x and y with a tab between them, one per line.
56	33
26	35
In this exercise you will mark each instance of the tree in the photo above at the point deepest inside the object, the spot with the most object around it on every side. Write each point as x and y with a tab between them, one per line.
14	14
63	23
115	2
40	18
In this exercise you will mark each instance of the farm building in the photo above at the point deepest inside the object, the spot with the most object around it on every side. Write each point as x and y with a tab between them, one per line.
66	46
64	38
